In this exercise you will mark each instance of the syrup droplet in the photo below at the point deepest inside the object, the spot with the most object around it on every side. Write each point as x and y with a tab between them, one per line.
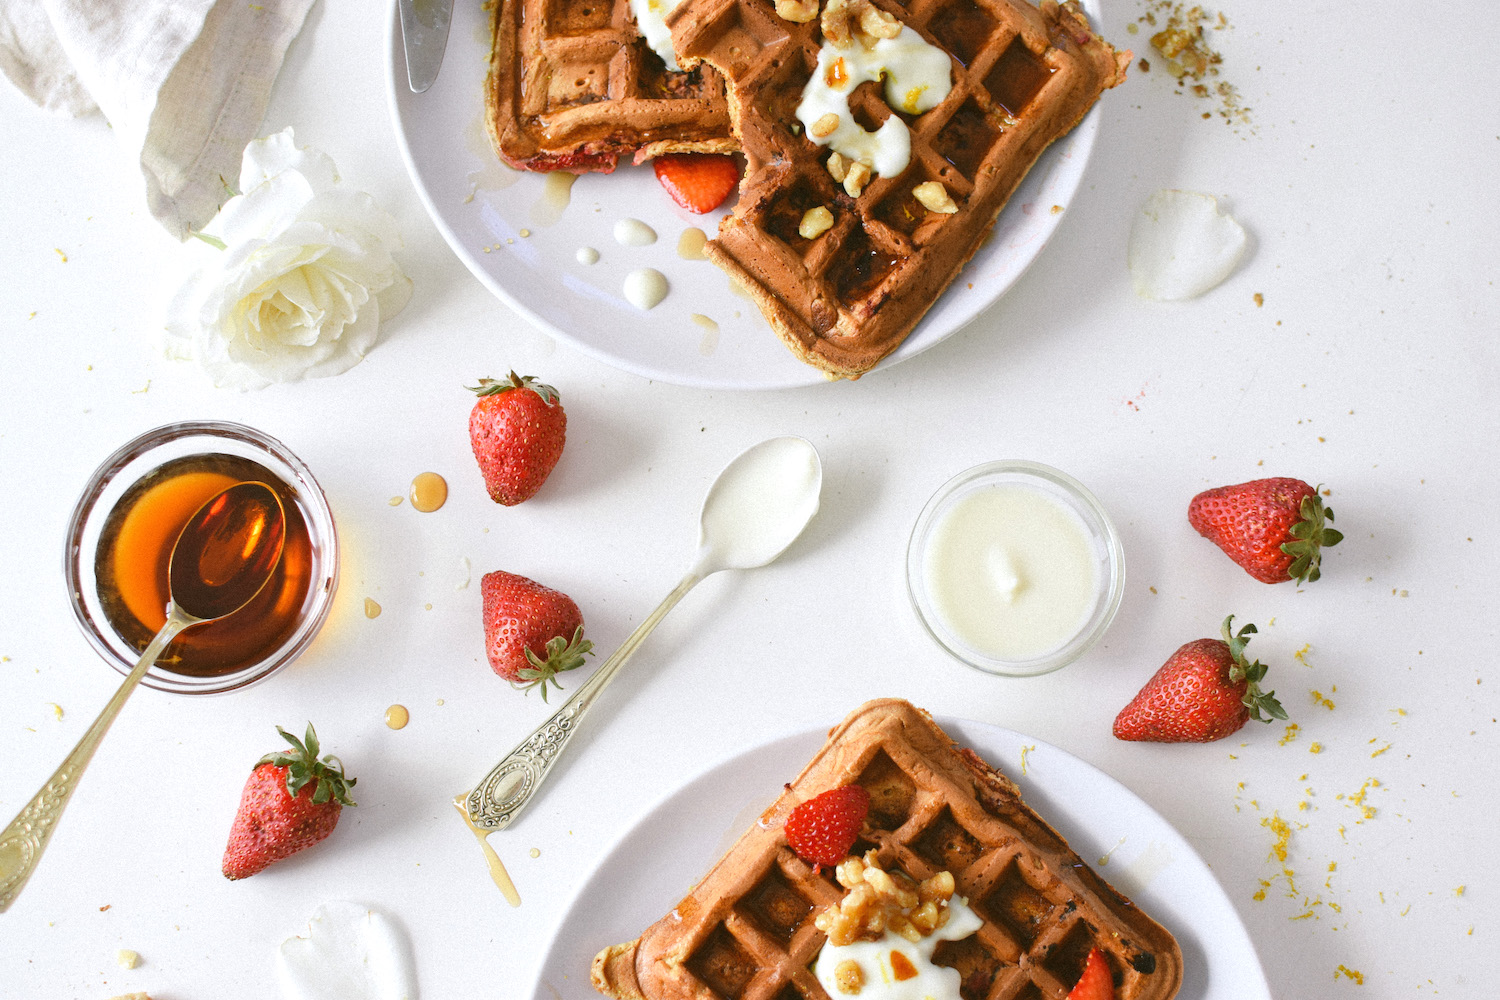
372	610
557	191
710	341
536	852
690	244
497	869
396	717
429	491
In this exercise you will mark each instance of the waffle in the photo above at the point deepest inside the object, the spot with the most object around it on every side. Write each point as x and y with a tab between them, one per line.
843	300
746	931
573	86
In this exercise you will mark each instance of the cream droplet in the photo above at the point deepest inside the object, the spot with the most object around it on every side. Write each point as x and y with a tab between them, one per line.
634	233
396	717
429	491
372	610
587	255
646	287
690	244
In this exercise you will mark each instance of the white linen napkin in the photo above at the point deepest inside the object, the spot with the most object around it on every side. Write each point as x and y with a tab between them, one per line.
184	83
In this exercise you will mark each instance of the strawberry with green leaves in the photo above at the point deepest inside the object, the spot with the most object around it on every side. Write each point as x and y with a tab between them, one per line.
824	828
1274	528
532	633
1205	691
291	801
517	429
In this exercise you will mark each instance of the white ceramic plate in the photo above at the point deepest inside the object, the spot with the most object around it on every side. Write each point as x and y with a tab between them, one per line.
482	208
657	861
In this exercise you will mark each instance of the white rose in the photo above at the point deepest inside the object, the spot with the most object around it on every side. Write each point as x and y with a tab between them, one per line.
302	281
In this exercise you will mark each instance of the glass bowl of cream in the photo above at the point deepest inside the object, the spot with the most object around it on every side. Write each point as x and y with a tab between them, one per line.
1015	568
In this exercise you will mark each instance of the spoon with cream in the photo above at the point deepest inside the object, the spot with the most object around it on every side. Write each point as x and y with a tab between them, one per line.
222	558
754	510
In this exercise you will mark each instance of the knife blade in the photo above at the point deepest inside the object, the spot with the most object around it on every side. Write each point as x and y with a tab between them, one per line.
424	35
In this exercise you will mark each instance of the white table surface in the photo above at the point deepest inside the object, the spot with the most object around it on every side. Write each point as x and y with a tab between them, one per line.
1367	178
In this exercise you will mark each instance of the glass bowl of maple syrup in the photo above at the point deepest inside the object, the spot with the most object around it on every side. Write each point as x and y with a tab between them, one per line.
120	540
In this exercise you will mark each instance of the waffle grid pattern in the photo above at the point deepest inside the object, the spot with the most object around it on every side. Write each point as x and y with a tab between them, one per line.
848	297
572	85
747	931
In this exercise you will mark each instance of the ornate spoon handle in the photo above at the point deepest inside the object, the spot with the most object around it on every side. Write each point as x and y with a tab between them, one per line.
24	840
499	798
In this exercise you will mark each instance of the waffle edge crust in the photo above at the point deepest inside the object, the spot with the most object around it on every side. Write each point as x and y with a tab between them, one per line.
1023	76
745	931
573	86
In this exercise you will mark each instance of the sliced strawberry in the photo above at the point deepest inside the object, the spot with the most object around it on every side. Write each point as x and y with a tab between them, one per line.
699	182
823	828
1096	983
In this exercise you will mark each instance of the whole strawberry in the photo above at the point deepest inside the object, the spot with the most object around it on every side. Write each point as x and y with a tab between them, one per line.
823	828
532	633
1205	691
1274	528
291	801
517	430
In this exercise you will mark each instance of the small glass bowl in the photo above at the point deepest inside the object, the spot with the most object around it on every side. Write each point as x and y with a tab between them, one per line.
135	461
1104	549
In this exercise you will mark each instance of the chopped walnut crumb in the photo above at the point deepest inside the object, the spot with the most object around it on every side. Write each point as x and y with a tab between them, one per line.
856	178
934	197
838	166
815	222
844	21
825	126
878	901
800	11
848	977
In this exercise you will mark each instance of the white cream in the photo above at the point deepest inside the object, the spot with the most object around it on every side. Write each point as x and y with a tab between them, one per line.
1012	572
882	980
645	287
634	233
349	951
651	21
918	76
761	501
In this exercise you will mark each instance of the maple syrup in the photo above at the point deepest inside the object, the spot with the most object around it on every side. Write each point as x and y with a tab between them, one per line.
135	549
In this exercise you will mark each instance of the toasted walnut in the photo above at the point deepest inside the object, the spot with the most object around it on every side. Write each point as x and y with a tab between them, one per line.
876	23
845	21
877	901
838	169
856	178
800	11
825	126
934	197
849	977
815	222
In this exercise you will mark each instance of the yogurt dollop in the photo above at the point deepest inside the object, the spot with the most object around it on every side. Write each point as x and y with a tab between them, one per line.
894	968
917	76
651	21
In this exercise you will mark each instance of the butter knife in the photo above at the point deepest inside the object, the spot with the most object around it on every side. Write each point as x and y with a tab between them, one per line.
424	34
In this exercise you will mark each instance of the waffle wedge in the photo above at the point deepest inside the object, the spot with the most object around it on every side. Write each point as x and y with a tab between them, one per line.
746	931
844	299
572	85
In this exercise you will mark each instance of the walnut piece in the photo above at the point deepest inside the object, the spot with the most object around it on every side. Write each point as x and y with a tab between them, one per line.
838	166
800	11
934	197
856	178
878	901
815	222
825	126
848	976
844	21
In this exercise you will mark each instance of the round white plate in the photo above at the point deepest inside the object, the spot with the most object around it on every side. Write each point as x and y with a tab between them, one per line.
658	861
506	227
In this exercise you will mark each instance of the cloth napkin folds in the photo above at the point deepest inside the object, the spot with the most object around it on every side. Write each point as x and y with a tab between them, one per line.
183	83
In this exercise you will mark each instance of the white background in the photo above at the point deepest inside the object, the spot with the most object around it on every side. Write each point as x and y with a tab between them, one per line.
1367	178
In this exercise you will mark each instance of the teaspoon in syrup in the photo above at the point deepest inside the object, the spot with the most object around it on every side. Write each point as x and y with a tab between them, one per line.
222	558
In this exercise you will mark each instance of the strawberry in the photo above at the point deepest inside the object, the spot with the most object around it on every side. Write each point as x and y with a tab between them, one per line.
532	633
823	828
517	430
699	182
1096	983
1204	692
291	801
1274	528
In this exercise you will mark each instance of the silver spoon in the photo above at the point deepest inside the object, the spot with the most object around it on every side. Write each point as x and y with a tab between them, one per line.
754	510
222	558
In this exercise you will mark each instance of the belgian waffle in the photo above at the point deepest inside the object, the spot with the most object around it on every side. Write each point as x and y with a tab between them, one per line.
746	931
843	300
573	86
